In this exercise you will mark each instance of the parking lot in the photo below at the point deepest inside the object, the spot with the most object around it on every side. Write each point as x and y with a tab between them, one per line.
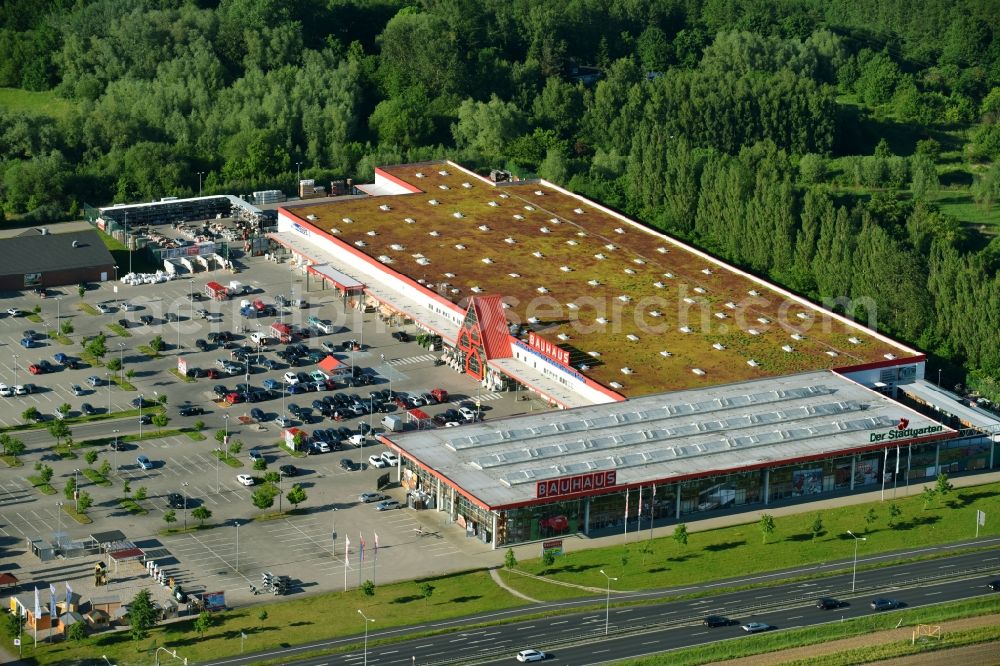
308	546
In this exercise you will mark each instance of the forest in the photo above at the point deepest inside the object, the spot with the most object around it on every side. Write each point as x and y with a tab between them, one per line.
847	149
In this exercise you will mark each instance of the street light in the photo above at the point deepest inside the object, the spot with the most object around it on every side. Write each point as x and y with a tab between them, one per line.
367	620
200	174
140	418
854	574
15	368
117	446
184	486
59	524
76	488
121	359
237	546
607	602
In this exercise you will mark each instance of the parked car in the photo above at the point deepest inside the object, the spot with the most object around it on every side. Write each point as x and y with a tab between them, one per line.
288	470
994	585
402	336
23	389
104	308
388	505
176	501
356	440
144	462
348	465
141	402
881	604
291	378
126	307
87	409
14	312
201	344
146	320
28	343
76	389
123	323
328	347
371	497
390	458
190	410
220	391
245	479
6	391
256	455
283	421
377	461
319	446
257	414
94	381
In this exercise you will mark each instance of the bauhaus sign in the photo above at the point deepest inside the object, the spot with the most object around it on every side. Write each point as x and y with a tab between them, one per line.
555	352
581	483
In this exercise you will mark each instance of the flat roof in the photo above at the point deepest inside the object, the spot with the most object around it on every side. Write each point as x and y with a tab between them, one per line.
666	438
950	403
33	252
638	311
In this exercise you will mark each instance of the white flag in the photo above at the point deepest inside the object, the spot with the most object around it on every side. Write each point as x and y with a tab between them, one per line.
38	607
347	550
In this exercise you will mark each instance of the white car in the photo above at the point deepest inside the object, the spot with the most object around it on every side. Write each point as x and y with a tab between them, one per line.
467	413
390	458
377	461
245	479
356	440
291	378
127	307
6	391
329	347
104	308
14	312
283	421
20	389
531	655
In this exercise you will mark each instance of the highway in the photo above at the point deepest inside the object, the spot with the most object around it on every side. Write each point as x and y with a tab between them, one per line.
579	638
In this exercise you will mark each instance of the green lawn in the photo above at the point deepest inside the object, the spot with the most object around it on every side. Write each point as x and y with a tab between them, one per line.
961	205
41	103
740	550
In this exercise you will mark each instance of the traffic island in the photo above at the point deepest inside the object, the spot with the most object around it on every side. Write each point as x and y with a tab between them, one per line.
71	511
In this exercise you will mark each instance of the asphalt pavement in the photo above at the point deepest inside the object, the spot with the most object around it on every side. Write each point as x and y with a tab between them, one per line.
596	635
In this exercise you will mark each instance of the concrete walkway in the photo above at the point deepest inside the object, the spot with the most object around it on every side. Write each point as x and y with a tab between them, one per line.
495	575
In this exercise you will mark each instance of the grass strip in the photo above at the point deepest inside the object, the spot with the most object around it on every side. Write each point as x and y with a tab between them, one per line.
71	511
60	338
12	461
96	477
34	318
228	459
71	420
88	308
118	330
123	384
132	506
41	485
148	351
834	630
178	375
195	435
875	653
91	360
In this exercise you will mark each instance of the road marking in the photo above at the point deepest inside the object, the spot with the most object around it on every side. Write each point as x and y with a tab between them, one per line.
530	626
700	633
561	622
795	617
931	594
650	643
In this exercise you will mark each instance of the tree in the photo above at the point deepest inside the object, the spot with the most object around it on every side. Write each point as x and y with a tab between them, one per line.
296	495
64	409
29	415
943	486
681	534
368	587
140	494
235	447
85	501
426	590
220	436
90	457
141	615
160	419
199	426
894	513
70	488
82	290
817	526
870	519
509	561
170	517
77	631
263	497
272	477
12	446
66	327
766	524
927	495
203	623
812	168
486	127
114	364
97	346
201	514
130	374
262	616
259	464
44	472
548	558
105	468
126	488
156	344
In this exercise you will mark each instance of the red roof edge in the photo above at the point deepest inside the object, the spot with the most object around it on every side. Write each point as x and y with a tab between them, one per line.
493	325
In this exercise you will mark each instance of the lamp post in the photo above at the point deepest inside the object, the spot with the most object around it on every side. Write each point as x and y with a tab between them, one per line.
184	486
117	446
939	377
59	298
121	359
298	175
15	357
607	602
367	620
854	573
76	488
200	174
107	377
140	417
237	546
59	524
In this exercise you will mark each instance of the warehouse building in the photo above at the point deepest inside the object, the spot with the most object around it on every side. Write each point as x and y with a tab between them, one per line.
38	258
689	385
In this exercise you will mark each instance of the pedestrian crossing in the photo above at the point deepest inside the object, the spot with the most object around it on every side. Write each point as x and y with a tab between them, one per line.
482	397
410	360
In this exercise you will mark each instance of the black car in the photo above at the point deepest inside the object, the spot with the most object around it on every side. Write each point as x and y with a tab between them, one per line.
881	604
717	621
257	414
343	432
191	410
87	409
288	470
827	603
195	296
364	428
145	419
994	585
123	323
220	390
176	501
201	344
439	420
146	319
349	465
117	445
270	364
294	409
315	356
141	402
402	336
303	377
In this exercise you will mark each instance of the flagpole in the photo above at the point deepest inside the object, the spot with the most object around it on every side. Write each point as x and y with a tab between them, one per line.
347	555
626	515
652	500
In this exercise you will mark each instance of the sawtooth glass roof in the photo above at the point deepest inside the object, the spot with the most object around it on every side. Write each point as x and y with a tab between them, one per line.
661	438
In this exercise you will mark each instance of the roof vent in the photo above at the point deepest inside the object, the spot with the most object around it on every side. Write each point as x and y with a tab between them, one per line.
853	340
624	298
443	172
539	193
689	300
423	261
537	255
529	207
483	227
372	233
346	220
419	174
615	385
611	247
385	259
602	320
595	354
659	285
632	337
685	329
719	346
542	290
787	348
563	337
487	260
311	217
619	230
476	290
457	215
890	356
698	371
594	283
629	271
544	230
662	250
492	204
731	305
752	363
565	269
581	234
434	233
753	331
641	262
572	306
554	220
668	275
699	290
444	187
518	216
571	242
721	315
802	315
584	367
797	336
433	202
449	275
754	292
459	246
626	371
467	185
533	320
399	248
360	243
509	240
599	256
831	353
655	313
335	231
409	220
578	211
504	195
665	354
385	207
514	275
764	320
706	271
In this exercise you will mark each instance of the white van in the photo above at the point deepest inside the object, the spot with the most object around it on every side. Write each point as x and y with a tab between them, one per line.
258	338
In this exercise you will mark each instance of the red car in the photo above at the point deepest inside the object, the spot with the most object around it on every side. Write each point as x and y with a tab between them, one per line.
234	398
555	523
37	369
